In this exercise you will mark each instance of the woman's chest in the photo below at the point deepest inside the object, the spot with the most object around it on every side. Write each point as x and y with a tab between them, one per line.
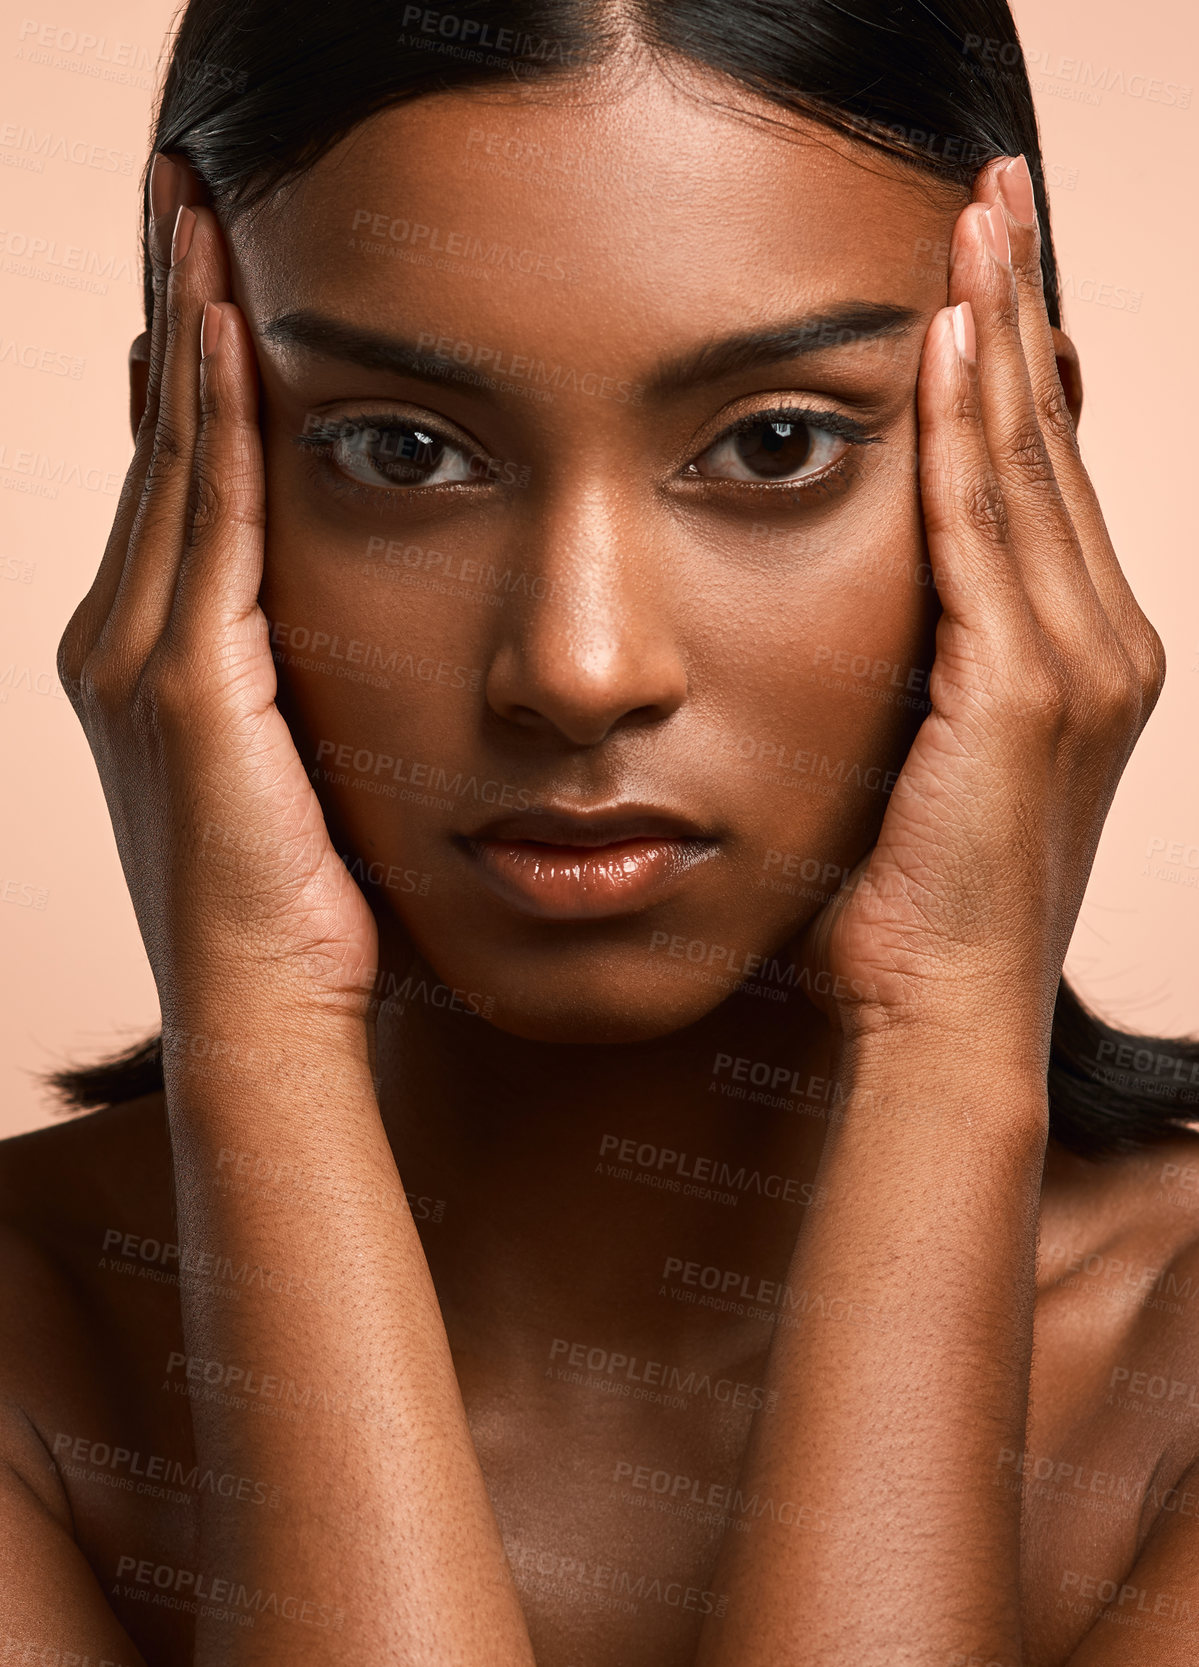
613	1526
612	1515
613	1508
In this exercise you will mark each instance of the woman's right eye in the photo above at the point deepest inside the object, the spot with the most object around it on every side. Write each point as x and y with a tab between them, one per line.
394	453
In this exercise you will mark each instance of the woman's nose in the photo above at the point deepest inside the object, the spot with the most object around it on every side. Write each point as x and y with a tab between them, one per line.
592	643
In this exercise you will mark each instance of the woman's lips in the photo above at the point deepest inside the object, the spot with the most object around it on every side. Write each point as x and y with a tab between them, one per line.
582	874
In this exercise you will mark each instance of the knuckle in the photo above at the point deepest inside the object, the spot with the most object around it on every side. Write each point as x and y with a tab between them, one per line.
1116	686
1025	454
1033	676
985	511
1046	687
72	651
207	394
1057	421
965	405
166	453
1005	311
163	694
1148	657
102	686
204	503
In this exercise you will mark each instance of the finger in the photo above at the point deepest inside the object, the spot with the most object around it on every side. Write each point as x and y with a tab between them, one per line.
87	623
1044	542
173	184
1009	184
221	569
142	605
965	517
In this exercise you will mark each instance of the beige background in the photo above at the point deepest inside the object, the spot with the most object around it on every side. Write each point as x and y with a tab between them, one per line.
1121	161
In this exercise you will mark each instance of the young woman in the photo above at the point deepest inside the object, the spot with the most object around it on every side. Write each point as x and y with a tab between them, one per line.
608	675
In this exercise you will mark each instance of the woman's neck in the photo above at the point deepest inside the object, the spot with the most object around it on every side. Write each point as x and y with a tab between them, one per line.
617	1193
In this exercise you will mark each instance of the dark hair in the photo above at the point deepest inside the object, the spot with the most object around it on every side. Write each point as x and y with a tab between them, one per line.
256	93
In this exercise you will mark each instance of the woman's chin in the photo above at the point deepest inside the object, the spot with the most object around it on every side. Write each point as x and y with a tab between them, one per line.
607	1017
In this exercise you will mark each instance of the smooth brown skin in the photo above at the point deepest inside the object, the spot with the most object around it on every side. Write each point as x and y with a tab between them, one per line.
671	631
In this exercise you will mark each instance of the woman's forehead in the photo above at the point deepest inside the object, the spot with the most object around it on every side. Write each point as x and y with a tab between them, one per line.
626	214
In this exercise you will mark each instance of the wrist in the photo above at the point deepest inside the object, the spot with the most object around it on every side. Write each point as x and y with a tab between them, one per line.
944	1079
276	1051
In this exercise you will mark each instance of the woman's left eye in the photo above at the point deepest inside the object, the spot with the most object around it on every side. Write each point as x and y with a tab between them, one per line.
776	446
395	453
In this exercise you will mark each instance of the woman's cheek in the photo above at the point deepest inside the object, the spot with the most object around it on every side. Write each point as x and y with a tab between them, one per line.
380	680
833	696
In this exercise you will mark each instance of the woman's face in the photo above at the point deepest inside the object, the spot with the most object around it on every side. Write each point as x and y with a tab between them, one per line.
523	565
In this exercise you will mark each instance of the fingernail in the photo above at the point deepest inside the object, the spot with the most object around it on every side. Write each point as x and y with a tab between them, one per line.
994	230
963	331
164	185
185	224
1015	187
210	329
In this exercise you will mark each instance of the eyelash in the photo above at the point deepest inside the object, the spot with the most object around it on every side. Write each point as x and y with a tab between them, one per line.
319	446
827	422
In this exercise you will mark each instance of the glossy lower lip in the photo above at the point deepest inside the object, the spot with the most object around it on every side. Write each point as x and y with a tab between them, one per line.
585	882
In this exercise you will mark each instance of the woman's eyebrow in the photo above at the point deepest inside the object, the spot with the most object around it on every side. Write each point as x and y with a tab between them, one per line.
846	325
431	358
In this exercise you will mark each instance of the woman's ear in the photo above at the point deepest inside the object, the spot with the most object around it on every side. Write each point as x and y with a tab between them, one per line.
1069	370
188	188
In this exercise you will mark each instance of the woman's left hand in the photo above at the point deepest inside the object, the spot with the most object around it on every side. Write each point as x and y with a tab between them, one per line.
1046	671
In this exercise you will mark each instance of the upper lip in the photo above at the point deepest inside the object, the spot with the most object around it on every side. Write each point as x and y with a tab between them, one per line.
602	825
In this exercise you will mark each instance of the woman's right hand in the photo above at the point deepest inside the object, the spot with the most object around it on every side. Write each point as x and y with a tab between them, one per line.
241	899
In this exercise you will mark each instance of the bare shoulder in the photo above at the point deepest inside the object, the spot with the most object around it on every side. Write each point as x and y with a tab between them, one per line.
61	1186
1118	1273
74	1198
56	1182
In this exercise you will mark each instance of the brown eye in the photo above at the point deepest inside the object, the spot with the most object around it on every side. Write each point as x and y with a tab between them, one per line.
771	449
398	454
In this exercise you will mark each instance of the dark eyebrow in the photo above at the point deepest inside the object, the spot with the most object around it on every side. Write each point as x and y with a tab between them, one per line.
334	340
843	326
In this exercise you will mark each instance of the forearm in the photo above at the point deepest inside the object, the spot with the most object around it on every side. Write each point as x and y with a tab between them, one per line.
901	1363
317	1364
